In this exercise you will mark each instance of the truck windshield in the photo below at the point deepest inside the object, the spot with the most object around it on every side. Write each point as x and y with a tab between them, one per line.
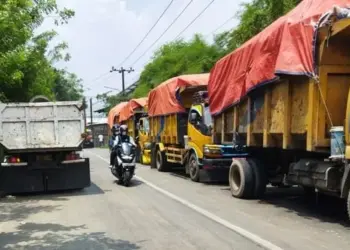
146	125
207	121
207	117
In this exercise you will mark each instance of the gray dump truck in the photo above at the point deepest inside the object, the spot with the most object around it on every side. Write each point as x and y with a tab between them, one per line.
41	147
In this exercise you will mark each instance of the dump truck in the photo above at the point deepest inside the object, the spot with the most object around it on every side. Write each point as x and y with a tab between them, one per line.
134	115
285	101
180	130
41	144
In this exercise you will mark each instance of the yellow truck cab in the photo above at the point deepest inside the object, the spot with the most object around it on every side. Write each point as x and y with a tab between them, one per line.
205	161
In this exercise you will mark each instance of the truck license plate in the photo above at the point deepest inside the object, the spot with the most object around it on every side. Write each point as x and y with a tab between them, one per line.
44	158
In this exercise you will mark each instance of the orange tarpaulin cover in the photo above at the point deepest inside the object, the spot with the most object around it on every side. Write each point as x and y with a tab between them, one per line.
115	111
284	47
162	99
128	110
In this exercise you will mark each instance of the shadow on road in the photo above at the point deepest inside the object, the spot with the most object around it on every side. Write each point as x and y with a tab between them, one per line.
21	210
133	183
37	236
56	195
293	200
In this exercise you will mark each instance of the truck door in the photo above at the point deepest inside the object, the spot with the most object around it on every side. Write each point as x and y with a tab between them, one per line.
199	131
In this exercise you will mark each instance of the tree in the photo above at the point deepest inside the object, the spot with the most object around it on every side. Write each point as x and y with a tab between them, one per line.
25	60
177	58
254	17
67	87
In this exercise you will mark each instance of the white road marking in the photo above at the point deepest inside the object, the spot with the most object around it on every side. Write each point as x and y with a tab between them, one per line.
250	236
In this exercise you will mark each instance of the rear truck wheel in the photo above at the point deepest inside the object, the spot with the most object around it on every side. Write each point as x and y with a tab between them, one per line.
160	161
141	157
138	154
260	178
241	179
193	168
348	204
153	157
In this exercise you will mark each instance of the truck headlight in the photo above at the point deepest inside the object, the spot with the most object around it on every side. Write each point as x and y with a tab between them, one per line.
147	145
212	151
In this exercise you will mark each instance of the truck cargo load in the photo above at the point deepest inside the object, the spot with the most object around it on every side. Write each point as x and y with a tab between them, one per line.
131	107
286	47
40	144
284	97
164	99
113	114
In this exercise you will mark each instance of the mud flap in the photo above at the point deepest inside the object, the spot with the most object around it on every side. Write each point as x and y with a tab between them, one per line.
23	179
68	176
20	180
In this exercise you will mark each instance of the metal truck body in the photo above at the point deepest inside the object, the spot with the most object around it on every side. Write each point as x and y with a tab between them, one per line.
39	147
295	129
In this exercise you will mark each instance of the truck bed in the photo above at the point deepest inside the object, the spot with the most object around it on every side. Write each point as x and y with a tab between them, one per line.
41	126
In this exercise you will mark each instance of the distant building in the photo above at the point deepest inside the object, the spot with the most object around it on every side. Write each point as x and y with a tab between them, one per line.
99	127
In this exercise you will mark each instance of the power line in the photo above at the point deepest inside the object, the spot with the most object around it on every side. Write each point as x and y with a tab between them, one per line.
184	9
221	25
144	38
200	13
98	78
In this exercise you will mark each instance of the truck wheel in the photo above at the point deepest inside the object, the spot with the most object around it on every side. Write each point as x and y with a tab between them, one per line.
260	178
193	168
241	179
138	154
153	157
160	161
141	157
348	204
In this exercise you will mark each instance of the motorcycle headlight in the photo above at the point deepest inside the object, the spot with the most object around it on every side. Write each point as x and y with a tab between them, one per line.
126	157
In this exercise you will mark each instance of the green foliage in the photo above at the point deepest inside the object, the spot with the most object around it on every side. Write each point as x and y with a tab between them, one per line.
254	17
177	58
25	59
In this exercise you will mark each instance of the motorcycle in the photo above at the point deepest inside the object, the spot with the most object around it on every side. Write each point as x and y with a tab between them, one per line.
124	162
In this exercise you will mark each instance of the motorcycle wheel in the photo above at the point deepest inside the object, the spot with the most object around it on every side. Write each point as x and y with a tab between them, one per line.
127	178
119	179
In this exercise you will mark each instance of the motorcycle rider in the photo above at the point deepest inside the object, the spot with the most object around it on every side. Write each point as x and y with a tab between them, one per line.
121	137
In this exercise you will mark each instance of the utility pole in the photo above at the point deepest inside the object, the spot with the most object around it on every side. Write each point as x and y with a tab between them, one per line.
122	71
91	120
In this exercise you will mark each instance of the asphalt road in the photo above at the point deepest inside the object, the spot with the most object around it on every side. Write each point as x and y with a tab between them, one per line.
168	211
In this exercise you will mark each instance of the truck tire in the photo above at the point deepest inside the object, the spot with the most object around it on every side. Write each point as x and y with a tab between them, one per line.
348	204
241	179
138	154
141	157
153	157
193	167
260	178
161	161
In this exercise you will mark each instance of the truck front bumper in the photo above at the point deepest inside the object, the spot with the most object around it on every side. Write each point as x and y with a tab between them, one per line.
24	179
215	170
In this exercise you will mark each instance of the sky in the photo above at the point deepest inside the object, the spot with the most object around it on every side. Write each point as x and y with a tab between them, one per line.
104	32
